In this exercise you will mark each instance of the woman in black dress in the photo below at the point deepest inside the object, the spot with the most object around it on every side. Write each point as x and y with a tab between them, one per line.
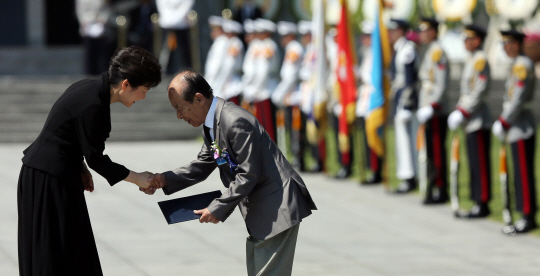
55	236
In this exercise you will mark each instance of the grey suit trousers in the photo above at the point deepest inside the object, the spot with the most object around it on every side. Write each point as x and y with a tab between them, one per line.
273	256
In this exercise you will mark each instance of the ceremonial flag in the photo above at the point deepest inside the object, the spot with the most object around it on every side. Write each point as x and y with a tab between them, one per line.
346	80
380	47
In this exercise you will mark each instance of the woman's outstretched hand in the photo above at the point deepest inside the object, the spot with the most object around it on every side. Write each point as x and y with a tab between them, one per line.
157	180
140	179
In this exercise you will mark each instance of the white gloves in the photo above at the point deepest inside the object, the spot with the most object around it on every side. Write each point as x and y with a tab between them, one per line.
455	119
404	115
424	114
498	130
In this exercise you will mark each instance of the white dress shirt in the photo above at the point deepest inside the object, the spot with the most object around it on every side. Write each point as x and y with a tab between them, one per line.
209	121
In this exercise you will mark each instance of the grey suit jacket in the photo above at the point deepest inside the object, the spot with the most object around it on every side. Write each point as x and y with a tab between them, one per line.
270	194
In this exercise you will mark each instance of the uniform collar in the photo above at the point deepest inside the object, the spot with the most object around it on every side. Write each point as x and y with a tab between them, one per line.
400	42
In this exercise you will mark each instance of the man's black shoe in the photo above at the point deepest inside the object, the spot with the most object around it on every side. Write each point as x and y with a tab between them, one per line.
524	225
343	173
436	197
374	179
477	211
317	167
298	165
406	186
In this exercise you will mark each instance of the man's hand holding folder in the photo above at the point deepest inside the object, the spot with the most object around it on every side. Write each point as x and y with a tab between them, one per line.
175	210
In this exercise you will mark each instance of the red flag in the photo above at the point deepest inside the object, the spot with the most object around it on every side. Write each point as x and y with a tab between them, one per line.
346	80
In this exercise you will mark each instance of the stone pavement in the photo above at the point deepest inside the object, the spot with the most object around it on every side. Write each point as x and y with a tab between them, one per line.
356	231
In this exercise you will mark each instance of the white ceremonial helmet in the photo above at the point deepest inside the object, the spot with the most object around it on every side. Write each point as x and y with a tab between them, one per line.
231	26
215	21
264	25
286	28
367	27
249	26
304	27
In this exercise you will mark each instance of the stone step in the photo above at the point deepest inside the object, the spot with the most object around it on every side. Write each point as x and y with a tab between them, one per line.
38	61
28	136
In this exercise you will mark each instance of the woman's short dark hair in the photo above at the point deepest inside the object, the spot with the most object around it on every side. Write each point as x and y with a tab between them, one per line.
194	83
136	65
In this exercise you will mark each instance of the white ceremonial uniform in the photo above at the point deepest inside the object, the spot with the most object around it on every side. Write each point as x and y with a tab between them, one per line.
334	105
229	81
248	67
366	88
306	87
173	13
289	75
405	100
266	70
215	59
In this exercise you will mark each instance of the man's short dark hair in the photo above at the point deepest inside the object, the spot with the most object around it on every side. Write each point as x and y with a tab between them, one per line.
195	83
136	65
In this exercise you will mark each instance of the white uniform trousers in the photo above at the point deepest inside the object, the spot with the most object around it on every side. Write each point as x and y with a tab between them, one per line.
405	125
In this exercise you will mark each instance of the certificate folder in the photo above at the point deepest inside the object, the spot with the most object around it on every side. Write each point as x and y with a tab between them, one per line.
181	209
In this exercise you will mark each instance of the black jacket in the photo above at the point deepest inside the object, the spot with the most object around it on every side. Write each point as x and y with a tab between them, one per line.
77	126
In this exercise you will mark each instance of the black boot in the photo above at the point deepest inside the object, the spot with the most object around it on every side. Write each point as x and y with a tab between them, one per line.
480	210
406	186
344	172
298	164
437	196
375	178
525	224
317	167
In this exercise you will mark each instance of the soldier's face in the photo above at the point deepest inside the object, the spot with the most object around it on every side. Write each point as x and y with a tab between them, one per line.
286	39
216	31
428	35
472	43
511	48
306	39
366	40
395	34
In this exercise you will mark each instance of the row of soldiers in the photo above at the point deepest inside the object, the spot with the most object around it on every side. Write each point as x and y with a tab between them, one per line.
280	94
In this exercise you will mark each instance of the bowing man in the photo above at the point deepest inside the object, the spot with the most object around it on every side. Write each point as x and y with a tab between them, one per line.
269	193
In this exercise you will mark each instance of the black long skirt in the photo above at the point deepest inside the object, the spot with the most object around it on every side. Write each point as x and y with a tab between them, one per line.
55	235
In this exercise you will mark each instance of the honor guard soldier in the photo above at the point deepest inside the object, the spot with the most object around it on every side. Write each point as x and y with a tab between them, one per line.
405	98
266	76
372	161
334	105
473	111
307	98
248	66
217	50
285	97
228	82
432	114
516	125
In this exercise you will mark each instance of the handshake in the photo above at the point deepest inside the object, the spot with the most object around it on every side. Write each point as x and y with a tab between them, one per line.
148	182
